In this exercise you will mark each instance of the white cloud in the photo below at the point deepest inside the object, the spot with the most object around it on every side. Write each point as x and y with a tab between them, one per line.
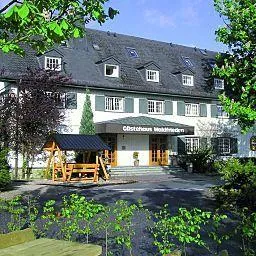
156	17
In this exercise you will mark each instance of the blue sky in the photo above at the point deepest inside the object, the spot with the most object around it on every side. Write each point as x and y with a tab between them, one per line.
186	22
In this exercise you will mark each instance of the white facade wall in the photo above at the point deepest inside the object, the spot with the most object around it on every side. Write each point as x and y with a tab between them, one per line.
204	127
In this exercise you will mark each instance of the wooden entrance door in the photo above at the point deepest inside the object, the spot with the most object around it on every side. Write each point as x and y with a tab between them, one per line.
111	155
158	153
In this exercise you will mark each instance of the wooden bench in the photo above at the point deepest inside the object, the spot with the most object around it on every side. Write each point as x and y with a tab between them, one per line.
23	243
85	172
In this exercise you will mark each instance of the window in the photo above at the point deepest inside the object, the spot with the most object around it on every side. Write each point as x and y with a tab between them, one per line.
155	107
111	70
187	80
192	144
64	100
60	99
253	143
52	63
218	84
221	112
187	61
191	109
152	75
132	52
114	104
224	145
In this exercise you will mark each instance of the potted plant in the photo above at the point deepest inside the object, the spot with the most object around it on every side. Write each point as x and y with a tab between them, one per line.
136	158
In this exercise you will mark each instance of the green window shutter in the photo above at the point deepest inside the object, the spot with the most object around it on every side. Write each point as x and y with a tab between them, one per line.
214	112
168	107
99	103
181	108
143	108
203	142
203	110
71	100
215	145
233	146
181	145
129	105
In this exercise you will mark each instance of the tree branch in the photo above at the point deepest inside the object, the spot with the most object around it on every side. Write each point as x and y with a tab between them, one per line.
10	4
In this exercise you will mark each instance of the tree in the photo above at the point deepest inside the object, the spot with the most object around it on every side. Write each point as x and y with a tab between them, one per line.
238	66
31	115
86	125
43	23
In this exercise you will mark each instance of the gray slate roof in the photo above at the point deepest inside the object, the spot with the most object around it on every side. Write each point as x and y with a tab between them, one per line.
85	64
78	142
144	120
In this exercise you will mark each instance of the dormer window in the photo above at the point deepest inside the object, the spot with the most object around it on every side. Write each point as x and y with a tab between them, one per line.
218	84
52	63
187	61
188	80
111	70
152	75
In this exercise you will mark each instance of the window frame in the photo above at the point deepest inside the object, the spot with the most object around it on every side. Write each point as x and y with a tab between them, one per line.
153	108
222	147
221	113
149	74
191	113
185	79
111	65
116	101
216	81
192	144
58	68
253	143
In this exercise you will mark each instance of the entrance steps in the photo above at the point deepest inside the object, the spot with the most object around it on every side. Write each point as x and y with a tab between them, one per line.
144	170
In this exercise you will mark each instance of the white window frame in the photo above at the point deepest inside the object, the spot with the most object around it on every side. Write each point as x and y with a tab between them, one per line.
114	104
60	99
115	73
188	80
192	109
224	145
221	113
52	63
218	84
192	144
155	107
152	75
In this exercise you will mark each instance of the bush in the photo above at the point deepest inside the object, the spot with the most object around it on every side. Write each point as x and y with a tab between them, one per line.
5	178
239	184
202	160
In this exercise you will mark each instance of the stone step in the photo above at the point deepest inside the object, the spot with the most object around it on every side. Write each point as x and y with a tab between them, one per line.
143	170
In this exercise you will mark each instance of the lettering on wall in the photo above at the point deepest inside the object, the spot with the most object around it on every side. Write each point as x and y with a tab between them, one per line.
128	128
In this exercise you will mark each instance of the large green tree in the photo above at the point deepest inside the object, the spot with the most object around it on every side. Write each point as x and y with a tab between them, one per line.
43	23
87	125
238	66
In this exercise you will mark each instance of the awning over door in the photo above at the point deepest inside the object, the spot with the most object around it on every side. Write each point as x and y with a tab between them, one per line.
143	125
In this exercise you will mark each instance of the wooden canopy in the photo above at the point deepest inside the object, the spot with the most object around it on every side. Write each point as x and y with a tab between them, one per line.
75	142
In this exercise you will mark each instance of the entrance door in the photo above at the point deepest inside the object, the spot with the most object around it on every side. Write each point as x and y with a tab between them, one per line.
158	150
110	140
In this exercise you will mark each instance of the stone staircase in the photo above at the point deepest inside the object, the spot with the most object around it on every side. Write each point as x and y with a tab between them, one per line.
144	170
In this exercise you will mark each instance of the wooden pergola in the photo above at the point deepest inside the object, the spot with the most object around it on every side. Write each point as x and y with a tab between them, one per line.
59	144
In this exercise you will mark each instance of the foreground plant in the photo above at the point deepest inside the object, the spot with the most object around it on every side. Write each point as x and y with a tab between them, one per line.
77	214
176	232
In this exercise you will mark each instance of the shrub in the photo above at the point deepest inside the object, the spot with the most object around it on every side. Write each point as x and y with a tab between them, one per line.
5	178
202	160
239	186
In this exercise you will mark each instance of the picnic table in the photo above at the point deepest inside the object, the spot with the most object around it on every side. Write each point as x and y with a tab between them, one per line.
23	243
